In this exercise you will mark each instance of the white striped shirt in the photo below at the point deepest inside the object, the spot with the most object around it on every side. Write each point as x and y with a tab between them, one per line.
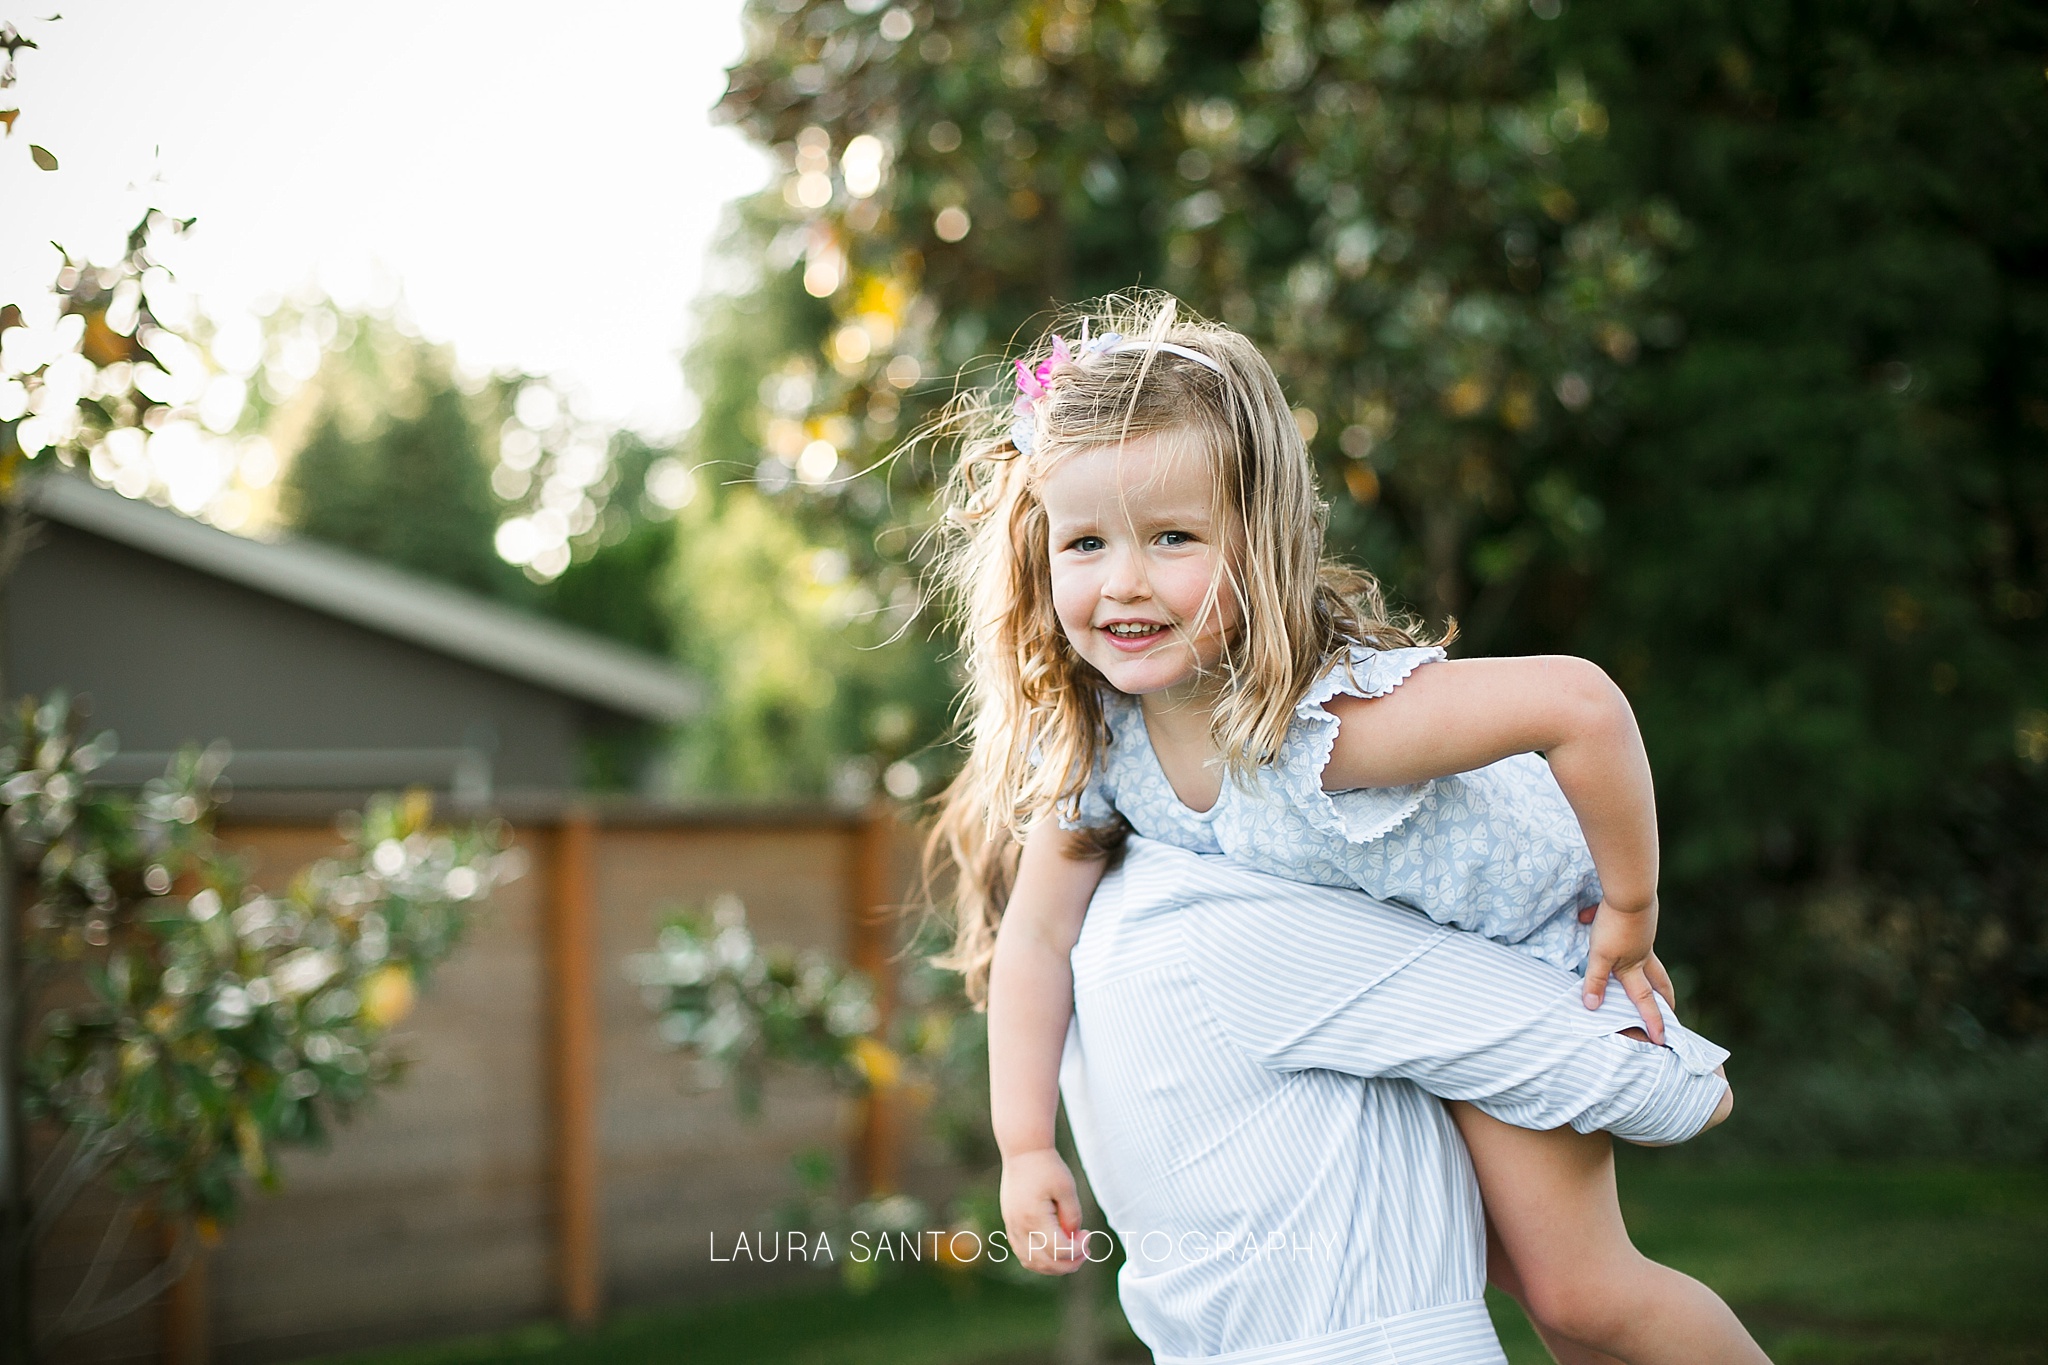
1245	1077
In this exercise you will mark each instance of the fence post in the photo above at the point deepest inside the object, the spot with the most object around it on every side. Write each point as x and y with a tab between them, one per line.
187	1316
571	937
870	948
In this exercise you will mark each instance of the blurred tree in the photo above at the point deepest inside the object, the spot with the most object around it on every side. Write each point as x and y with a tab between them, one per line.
174	1043
1437	300
409	485
1824	561
798	607
93	372
1705	340
615	589
492	485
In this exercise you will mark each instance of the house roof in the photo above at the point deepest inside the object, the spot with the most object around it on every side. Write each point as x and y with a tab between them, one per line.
379	598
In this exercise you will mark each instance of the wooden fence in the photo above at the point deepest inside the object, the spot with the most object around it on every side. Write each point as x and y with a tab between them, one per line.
545	1155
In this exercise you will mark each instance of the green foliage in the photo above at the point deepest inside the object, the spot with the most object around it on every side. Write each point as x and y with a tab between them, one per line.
1987	1104
216	1022
796	607
412	489
616	590
1822	576
122	347
737	1009
1387	212
1703	340
912	1321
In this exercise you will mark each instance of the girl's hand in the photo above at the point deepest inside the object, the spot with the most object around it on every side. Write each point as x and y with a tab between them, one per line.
1042	1212
1622	948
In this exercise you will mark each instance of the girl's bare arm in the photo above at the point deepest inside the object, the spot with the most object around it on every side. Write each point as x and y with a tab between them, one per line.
1456	716
1030	1000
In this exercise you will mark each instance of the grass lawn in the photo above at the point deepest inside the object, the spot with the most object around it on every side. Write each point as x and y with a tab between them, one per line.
1828	1266
1832	1264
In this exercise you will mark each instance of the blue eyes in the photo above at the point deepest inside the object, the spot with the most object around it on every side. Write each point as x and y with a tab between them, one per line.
1091	544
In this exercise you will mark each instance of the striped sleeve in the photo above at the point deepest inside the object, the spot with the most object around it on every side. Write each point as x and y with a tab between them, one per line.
1304	977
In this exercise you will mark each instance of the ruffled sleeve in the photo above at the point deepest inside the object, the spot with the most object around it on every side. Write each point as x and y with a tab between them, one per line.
1095	807
1366	813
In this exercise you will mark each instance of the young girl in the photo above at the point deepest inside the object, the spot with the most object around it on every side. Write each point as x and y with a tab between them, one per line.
1155	643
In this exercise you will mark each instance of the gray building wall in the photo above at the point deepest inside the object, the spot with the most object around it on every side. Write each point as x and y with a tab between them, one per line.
171	656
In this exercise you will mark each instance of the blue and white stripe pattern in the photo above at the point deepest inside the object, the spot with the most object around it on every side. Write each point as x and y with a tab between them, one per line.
1245	1076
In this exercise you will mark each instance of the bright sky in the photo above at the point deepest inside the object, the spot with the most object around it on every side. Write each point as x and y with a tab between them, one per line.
541	180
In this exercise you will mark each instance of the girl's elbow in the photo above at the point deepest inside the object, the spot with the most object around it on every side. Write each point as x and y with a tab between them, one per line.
1598	704
1590	682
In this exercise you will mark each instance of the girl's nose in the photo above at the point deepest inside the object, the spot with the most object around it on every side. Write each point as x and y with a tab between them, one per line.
1125	580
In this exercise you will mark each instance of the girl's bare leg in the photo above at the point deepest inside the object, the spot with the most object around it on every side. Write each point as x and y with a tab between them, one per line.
1555	1219
1500	1268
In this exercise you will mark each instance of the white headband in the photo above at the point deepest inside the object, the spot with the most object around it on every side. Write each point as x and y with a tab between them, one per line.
1182	351
1033	380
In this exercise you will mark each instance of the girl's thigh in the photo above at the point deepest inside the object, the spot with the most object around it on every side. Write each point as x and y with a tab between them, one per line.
1550	1195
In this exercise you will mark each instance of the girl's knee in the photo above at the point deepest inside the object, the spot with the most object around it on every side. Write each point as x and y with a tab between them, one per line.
1589	1303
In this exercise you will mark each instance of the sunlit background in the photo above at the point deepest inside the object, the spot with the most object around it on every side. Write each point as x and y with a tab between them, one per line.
533	183
1705	342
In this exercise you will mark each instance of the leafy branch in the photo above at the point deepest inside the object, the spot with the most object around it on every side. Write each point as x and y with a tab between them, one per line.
183	1025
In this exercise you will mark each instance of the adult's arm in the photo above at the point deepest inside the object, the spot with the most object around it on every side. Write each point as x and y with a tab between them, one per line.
1303	976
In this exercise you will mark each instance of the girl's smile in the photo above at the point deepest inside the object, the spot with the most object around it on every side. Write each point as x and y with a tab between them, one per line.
1137	563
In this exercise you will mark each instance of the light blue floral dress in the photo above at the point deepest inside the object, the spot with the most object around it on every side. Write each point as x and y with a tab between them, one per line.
1497	851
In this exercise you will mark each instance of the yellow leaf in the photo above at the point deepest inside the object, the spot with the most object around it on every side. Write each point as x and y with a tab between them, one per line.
389	995
104	346
960	1246
43	156
877	1064
1465	397
1363	483
249	1142
1518	409
418	809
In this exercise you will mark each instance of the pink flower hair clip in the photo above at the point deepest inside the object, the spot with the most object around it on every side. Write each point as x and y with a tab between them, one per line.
1034	382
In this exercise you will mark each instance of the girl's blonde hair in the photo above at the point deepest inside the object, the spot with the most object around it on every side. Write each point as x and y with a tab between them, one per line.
1032	713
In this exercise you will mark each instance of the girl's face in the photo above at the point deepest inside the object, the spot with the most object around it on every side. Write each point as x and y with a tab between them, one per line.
1136	550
